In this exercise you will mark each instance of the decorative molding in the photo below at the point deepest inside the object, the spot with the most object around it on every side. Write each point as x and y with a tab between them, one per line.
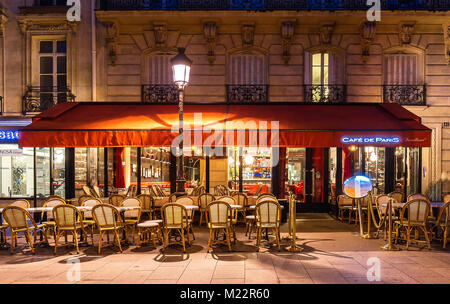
248	34
326	31
210	33
367	32
160	31
405	31
30	25
287	33
3	20
111	37
446	30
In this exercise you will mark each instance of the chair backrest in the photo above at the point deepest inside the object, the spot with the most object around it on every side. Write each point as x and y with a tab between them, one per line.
241	199
52	202
23	203
380	201
444	215
54	196
132	202
90	202
417	211
172	198
219	213
153	190
227	199
266	197
446	198
147	202
220	190
106	215
416	196
173	215
397	196
87	190
66	216
259	190
131	192
184	200
344	200
268	213
82	198
16	217
160	190
96	191
204	199
116	199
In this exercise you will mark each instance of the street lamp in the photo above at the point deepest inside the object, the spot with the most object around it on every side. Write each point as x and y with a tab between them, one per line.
181	67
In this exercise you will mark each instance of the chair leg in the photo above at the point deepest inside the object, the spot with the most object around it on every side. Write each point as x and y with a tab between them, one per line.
100	237
209	240
444	237
228	238
30	241
408	232
182	239
426	237
56	239
75	237
116	234
258	237
278	238
138	242
152	235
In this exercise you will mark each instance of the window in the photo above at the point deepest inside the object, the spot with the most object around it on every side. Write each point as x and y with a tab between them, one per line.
50	2
324	77
52	71
16	171
158	80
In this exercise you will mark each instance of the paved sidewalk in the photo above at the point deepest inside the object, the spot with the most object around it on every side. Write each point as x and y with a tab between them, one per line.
333	253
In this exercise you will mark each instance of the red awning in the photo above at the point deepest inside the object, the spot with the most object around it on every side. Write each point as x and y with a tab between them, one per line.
294	125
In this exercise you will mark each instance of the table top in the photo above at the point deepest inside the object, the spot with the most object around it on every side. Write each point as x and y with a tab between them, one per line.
254	207
400	205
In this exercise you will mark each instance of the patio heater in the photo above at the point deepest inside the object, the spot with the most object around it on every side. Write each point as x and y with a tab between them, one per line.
181	67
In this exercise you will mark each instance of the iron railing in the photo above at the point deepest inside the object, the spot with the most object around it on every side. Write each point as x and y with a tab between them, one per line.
325	93
160	93
247	93
409	95
40	98
270	5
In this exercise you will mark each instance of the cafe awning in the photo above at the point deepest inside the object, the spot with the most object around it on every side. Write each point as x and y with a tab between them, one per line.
106	124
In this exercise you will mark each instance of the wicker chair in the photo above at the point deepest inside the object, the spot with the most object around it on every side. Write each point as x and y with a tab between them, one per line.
259	190
23	203
175	217
220	190
397	196
107	219
263	195
88	220
132	190
416	196
132	217
148	228
417	211
18	219
381	204
188	201
87	191
442	222
82	198
172	198
241	200
268	216
219	220
234	214
66	218
161	192
148	205
344	203
153	189
116	199
203	201
50	221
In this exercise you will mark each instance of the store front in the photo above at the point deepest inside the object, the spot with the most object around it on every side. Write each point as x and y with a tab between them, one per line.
308	149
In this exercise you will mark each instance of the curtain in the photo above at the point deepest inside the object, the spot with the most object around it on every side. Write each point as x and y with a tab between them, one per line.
120	177
347	165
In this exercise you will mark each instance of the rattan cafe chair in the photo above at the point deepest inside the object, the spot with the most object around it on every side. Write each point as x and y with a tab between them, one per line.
268	216
219	220
68	219
203	201
18	220
417	213
87	218
148	205
397	196
116	199
442	224
132	217
49	222
234	214
108	219
175	218
188	201
241	200
172	198
344	205
87	191
23	203
381	203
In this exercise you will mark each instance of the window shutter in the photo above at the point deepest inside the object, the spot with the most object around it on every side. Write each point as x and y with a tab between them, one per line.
308	68
247	69
335	70
159	70
401	69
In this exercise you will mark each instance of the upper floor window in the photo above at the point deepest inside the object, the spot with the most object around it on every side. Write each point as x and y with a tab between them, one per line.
157	78
247	78
52	64
403	79
324	77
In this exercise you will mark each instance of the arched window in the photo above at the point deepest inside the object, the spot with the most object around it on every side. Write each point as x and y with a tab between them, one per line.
324	77
247	78
403	77
157	79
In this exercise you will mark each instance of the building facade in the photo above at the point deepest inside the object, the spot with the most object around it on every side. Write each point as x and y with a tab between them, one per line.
243	52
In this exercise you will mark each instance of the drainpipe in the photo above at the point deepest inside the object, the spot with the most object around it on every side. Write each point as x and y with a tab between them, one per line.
94	53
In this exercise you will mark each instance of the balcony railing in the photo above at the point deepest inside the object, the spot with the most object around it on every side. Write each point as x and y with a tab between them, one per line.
408	95
247	93
39	99
270	5
160	93
325	93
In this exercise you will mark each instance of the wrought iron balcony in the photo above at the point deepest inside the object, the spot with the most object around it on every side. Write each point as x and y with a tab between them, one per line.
160	93
325	93
263	5
408	95
39	99
247	93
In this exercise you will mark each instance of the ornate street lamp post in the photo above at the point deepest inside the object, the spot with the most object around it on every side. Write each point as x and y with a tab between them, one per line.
181	67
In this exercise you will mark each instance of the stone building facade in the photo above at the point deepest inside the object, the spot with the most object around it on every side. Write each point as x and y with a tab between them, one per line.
274	56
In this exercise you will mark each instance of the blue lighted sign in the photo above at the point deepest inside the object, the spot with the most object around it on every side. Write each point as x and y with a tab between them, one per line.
9	136
370	140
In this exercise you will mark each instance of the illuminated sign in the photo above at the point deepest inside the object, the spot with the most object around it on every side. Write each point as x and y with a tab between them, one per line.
370	140
9	135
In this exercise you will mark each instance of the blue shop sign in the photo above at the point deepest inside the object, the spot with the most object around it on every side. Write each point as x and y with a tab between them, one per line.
8	136
371	140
